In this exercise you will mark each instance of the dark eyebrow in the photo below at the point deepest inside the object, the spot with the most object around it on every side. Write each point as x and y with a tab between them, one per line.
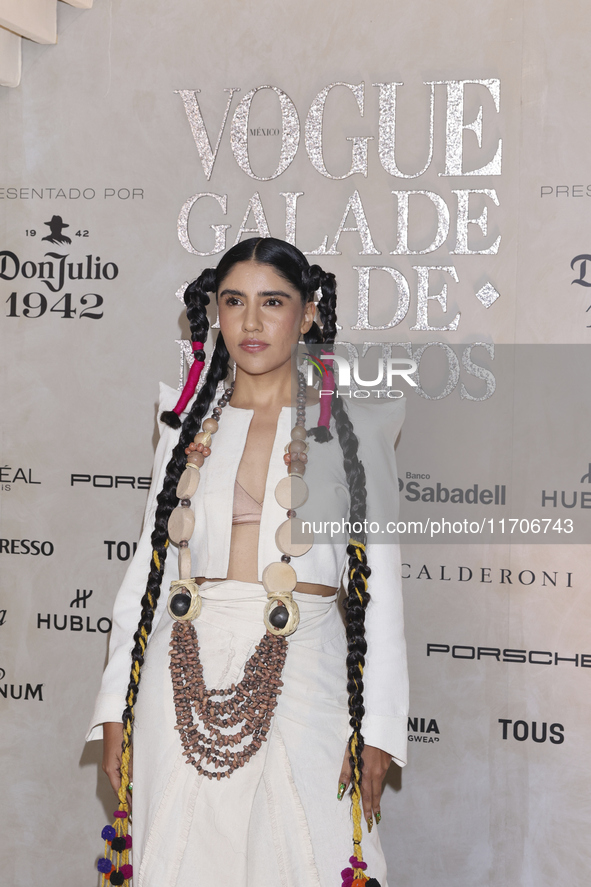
264	294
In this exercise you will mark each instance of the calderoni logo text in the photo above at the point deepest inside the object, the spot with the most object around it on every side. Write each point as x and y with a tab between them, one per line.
487	575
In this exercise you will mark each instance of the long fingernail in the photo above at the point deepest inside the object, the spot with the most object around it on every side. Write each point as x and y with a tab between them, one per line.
341	791
378	817
370	824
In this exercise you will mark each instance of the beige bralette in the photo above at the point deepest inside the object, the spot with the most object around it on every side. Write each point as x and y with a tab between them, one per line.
246	509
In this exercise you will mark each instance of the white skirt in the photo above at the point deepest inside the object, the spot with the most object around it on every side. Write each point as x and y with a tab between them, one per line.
276	822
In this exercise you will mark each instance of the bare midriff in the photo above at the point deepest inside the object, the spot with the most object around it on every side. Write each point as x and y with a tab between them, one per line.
252	475
304	587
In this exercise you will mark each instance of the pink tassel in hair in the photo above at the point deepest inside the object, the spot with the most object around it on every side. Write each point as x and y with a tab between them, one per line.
171	417
326	394
321	433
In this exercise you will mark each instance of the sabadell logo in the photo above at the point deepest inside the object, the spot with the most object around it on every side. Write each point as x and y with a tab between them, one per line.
473	495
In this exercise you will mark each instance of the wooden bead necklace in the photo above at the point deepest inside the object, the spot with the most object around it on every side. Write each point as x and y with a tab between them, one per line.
249	705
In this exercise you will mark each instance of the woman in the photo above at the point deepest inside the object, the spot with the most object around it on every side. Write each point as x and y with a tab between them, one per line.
245	786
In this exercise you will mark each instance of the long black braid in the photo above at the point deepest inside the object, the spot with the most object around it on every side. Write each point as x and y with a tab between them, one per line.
196	299
358	571
314	279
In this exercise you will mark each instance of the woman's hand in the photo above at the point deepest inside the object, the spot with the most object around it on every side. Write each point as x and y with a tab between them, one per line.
375	766
112	742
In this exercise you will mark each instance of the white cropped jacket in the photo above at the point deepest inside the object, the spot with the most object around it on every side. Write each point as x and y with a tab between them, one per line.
376	425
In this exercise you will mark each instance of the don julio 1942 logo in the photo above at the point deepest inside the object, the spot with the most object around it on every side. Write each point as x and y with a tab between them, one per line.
52	274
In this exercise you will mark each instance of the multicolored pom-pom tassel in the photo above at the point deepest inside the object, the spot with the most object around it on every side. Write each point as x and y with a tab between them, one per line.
356	875
114	866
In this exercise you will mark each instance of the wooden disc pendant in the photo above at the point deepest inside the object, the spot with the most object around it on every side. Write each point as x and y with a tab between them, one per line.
291	538
279	578
188	483
181	524
291	492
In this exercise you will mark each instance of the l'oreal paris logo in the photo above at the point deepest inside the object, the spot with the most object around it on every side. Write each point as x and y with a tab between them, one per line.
402	367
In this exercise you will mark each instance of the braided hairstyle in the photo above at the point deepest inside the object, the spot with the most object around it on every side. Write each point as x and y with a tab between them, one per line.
291	264
196	299
358	571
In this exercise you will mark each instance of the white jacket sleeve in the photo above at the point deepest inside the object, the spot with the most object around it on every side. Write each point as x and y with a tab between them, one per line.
385	674
110	701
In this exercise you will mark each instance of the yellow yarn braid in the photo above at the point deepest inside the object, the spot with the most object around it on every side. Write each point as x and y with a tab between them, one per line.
356	812
117	860
356	793
359	547
156	558
126	751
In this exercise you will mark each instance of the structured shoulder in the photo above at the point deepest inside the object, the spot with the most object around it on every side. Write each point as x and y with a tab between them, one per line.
377	416
376	425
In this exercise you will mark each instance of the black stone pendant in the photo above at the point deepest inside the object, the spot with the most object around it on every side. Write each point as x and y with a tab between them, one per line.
180	604
278	616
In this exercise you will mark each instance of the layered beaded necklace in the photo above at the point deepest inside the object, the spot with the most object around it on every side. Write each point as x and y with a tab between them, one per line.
220	730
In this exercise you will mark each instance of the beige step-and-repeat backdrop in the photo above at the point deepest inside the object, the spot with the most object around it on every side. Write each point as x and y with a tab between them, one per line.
435	156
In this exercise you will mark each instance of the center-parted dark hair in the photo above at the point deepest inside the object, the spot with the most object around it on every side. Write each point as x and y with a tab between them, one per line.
291	264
